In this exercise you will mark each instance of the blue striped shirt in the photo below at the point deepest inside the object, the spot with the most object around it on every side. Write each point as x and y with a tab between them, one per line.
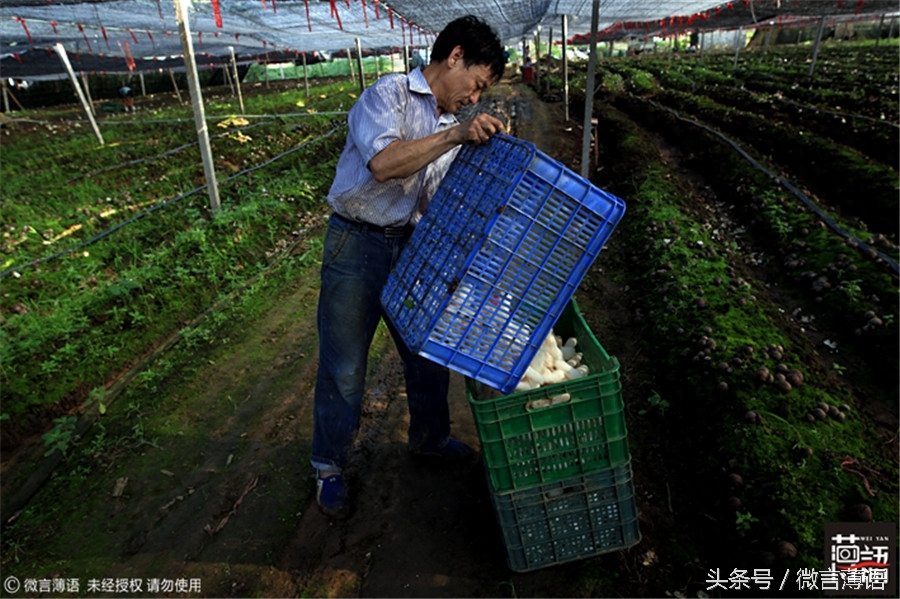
396	107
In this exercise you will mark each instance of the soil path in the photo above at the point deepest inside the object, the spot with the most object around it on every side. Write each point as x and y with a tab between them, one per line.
226	495
419	529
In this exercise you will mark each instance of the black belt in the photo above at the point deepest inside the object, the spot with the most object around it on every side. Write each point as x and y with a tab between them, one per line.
389	232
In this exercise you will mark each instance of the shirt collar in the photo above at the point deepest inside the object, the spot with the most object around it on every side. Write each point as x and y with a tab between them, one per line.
417	82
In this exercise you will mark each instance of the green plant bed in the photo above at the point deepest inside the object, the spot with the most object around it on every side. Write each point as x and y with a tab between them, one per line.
118	247
839	175
840	283
710	334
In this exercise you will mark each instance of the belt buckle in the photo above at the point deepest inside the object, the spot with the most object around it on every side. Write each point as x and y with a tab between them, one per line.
392	232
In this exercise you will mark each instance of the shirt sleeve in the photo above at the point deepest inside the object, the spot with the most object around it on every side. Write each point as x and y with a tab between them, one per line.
376	119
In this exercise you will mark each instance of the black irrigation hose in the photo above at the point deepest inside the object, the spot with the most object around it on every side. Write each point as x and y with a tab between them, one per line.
786	184
157	157
156	207
185	146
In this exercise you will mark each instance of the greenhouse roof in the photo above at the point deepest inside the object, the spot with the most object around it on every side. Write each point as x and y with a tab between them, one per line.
122	36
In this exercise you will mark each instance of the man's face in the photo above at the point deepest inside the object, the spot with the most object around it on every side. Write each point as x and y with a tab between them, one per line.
465	85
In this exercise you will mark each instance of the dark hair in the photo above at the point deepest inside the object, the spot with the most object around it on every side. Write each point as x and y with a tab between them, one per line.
479	42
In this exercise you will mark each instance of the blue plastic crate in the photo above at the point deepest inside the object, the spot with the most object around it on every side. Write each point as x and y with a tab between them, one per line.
505	242
568	520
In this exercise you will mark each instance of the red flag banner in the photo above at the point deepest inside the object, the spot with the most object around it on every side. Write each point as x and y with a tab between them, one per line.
217	13
25	27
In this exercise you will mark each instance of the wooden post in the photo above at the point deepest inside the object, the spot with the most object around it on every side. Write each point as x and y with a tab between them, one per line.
359	62
143	85
738	44
350	66
5	95
61	51
537	59
549	56
87	92
565	59
377	65
878	31
175	85
237	79
305	76
227	76
406	58
589	93
197	100
812	67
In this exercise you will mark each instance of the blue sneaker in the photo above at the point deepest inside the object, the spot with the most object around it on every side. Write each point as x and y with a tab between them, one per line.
450	449
331	495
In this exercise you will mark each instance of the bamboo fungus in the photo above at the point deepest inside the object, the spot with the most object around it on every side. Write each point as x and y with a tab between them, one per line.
555	361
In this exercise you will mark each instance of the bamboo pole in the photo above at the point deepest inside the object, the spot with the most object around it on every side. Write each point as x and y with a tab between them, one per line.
550	57
61	51
565	59
812	67
5	95
227	75
197	102
87	92
305	76
237	79
175	85
406	58
143	85
350	66
589	93
359	62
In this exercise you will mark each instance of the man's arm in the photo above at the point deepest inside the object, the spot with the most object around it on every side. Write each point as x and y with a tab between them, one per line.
403	158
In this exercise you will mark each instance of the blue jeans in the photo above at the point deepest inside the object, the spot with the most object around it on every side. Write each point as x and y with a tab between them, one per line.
355	267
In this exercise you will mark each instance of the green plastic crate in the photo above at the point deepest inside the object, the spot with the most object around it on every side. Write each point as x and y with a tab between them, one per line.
524	445
568	520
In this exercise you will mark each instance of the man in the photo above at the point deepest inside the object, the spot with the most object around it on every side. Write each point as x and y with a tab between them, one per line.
127	97
402	137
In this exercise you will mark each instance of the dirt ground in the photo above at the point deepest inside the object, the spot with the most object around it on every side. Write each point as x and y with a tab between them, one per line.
426	530
229	500
236	509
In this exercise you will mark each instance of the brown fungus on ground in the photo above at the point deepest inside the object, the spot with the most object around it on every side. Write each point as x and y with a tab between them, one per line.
736	480
819	413
794	377
859	512
783	386
804	452
785	550
751	416
722	387
734	503
763	374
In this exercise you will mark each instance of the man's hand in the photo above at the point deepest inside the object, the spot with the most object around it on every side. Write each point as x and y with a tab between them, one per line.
403	158
481	128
